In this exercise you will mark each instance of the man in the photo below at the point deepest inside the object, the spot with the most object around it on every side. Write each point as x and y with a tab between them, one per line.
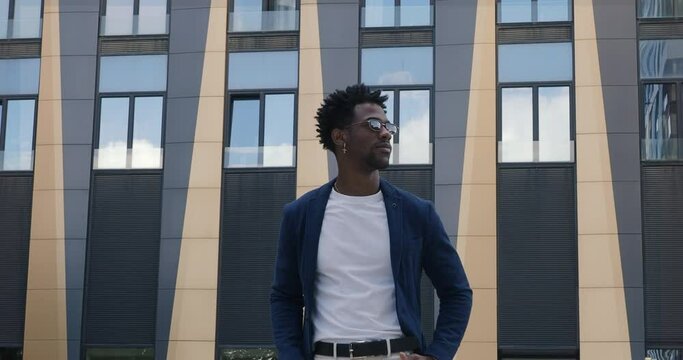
351	253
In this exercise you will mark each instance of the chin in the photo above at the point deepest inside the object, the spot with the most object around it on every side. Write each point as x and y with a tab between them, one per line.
379	163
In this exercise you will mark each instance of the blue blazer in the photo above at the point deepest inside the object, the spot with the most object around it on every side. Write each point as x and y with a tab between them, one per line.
417	241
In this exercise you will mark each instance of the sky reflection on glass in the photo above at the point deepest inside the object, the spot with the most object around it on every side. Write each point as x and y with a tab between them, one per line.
661	59
4	16
397	66
119	18
553	124
263	70
279	130
18	153
152	18
26	19
517	125
535	62
147	118
414	145
244	133
19	76
113	140
132	73
660	119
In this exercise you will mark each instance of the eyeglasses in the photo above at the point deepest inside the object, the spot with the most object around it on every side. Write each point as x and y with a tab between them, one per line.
376	125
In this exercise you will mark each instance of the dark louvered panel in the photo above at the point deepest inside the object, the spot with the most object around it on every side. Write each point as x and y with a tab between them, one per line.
123	259
133	46
252	210
16	193
663	255
420	183
666	30
20	49
537	259
393	38
534	34
261	42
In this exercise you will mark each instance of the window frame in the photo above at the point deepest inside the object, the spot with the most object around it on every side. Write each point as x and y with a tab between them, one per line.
264	6
396	139
397	17
678	83
259	95
136	12
131	125
534	17
535	118
11	9
3	127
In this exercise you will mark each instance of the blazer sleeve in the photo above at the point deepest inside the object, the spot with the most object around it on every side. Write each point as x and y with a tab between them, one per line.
443	266
286	297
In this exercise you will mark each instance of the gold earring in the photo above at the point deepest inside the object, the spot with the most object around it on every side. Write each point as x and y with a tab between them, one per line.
344	149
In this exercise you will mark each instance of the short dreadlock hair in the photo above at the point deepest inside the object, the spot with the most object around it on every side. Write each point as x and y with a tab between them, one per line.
336	112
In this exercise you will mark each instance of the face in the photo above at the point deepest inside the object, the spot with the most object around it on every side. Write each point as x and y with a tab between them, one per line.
369	148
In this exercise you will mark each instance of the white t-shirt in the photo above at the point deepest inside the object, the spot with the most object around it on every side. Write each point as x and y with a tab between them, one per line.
355	295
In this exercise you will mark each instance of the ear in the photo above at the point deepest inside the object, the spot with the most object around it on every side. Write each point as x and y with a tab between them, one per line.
339	137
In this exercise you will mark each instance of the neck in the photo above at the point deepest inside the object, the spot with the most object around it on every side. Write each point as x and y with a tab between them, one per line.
357	184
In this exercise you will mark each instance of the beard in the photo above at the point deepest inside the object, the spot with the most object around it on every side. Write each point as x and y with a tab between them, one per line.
376	161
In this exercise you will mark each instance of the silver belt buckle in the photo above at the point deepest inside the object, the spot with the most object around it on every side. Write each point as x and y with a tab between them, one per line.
351	349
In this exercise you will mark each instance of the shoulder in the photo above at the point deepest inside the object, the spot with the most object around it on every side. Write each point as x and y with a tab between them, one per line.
299	206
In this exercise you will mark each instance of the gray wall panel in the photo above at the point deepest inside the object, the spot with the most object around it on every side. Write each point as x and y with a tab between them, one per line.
189	30
78	76
340	68
445	148
447	204
453	66
618	54
187	41
455	22
77	121
450	113
338	25
78	32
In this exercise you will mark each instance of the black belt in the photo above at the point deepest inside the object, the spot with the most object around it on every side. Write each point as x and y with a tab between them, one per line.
366	348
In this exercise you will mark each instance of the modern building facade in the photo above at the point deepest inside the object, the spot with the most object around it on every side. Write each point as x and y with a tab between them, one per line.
147	148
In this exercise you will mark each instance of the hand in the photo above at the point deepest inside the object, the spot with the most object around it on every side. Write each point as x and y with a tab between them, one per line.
405	356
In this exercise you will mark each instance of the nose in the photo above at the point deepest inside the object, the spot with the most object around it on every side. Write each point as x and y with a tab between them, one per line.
384	134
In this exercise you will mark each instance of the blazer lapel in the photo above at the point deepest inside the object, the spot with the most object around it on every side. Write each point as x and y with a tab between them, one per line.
314	222
393	205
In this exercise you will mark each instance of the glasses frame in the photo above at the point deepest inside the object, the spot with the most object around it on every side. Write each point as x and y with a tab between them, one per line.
369	122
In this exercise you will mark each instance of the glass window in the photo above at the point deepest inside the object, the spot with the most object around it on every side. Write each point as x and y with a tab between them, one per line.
517	131
535	62
511	11
554	128
119	17
129	17
536	125
132	73
397	66
261	131
278	149
18	152
249	15
378	13
531	11
26	22
113	140
119	354
152	18
4	18
244	133
147	119
116	149
661	59
410	110
386	13
661	138
263	70
414	146
660	8
19	76
665	354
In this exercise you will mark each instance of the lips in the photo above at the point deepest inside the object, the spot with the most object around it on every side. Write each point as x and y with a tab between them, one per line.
384	146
